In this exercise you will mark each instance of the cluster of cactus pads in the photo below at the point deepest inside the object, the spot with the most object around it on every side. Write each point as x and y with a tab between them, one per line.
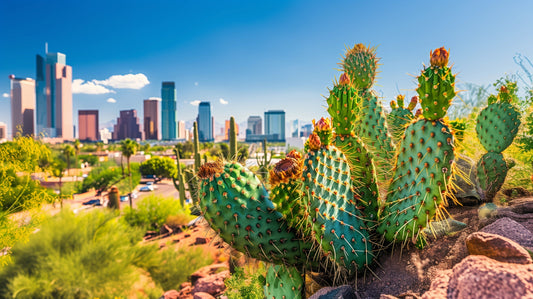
324	211
496	127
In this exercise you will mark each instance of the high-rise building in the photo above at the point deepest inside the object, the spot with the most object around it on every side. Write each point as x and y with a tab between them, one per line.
151	119
295	128
275	125
88	125
182	132
306	130
53	90
168	110
22	106
3	132
205	122
226	129
254	125
128	126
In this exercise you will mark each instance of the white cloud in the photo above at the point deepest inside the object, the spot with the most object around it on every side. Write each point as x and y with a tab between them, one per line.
89	87
131	81
195	103
5	95
111	100
222	101
155	98
195	83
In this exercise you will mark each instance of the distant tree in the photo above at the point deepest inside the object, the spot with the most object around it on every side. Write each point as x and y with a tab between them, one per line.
77	147
163	167
224	149
58	171
128	148
68	151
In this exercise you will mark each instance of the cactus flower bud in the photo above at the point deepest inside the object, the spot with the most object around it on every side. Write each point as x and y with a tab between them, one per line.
439	57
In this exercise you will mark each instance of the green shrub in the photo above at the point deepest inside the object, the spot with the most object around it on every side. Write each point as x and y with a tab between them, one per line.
152	212
175	267
76	256
246	283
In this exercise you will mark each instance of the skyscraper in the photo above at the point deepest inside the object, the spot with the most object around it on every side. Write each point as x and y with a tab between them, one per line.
3	132
151	119
295	128
22	106
205	122
182	132
254	125
53	91
227	127
168	110
88	125
275	125
128	126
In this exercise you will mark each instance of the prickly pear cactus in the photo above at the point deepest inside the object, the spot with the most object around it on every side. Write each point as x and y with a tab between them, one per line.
360	63
491	172
496	127
342	106
237	206
424	164
336	221
284	282
400	116
497	124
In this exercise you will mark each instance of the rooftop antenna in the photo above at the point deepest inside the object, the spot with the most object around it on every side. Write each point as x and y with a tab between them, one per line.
46	47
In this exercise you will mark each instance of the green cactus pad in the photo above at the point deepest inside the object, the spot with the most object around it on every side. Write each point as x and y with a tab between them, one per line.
337	223
491	172
361	63
363	174
342	107
436	86
237	206
422	177
497	126
373	130
284	282
399	118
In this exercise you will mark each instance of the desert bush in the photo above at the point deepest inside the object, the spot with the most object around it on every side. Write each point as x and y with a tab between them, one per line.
76	256
152	212
246	283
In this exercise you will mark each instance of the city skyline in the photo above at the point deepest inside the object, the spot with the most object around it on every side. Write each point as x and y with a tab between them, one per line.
247	58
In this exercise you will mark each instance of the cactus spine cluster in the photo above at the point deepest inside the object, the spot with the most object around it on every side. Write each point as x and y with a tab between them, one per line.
360	64
424	161
496	127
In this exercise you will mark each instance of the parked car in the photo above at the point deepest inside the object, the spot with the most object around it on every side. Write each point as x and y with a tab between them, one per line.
146	188
92	202
124	198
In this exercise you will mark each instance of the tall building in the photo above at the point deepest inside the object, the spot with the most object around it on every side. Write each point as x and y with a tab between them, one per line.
3	132
53	89
128	126
205	122
254	125
226	129
151	119
22	106
182	132
88	125
168	110
295	128
275	125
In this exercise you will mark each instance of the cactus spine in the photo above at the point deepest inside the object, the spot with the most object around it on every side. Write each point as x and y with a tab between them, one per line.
114	198
496	127
232	139
424	161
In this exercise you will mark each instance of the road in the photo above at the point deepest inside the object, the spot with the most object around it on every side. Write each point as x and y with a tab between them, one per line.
165	188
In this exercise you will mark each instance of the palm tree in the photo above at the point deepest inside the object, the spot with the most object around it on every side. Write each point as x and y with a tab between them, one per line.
68	151
128	149
77	146
58	169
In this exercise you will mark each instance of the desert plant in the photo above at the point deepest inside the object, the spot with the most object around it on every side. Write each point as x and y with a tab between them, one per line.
114	198
152	212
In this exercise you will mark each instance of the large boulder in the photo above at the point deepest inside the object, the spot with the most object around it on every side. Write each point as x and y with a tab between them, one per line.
478	276
511	229
497	247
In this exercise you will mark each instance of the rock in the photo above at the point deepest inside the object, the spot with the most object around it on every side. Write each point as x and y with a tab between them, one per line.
497	247
466	193
185	285
202	295
207	270
511	229
213	284
444	227
200	240
341	292
478	276
172	294
383	296
185	292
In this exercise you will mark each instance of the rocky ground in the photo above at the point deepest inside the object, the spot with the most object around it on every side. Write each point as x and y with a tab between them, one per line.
484	253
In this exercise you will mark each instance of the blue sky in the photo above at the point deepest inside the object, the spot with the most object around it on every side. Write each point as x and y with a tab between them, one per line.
254	55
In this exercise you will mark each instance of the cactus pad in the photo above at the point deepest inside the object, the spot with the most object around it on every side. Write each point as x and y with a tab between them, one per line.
237	206
361	63
342	106
497	126
491	173
283	282
400	116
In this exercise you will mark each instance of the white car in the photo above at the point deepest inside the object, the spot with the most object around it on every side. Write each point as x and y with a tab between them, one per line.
146	188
